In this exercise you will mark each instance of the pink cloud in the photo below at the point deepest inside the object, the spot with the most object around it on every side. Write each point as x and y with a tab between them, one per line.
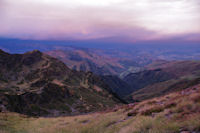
144	20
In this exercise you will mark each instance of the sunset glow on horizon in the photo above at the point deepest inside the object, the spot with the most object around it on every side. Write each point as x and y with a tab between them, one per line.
94	19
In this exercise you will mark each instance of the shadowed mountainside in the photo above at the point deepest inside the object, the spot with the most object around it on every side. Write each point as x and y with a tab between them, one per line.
163	77
37	84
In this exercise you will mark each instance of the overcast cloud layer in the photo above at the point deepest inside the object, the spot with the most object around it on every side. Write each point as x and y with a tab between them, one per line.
93	19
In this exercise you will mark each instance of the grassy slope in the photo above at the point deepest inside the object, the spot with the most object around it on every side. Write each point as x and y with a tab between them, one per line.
183	74
166	87
171	113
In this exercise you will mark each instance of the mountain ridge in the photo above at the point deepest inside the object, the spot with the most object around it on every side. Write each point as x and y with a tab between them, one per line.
34	83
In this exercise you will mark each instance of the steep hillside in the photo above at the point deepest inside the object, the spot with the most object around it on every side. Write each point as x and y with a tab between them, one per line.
173	113
163	77
177	68
147	77
37	84
162	88
118	86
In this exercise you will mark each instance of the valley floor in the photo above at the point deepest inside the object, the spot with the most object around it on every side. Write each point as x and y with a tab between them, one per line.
174	113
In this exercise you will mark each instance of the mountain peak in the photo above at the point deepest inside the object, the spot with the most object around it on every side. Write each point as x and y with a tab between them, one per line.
34	52
2	52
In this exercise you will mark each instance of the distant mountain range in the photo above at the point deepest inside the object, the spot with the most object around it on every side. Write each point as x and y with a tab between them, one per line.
109	59
95	61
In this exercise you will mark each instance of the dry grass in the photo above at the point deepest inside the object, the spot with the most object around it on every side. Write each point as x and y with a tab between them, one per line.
168	114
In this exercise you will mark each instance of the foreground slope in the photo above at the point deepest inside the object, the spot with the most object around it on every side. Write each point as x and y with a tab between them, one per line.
37	84
173	113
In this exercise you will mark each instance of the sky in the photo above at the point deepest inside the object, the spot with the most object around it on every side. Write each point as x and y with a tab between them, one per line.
121	20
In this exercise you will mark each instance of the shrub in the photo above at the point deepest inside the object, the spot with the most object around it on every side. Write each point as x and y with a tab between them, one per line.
196	98
170	105
132	113
155	109
151	102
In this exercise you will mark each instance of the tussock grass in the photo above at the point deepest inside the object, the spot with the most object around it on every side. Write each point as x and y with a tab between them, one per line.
172	113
